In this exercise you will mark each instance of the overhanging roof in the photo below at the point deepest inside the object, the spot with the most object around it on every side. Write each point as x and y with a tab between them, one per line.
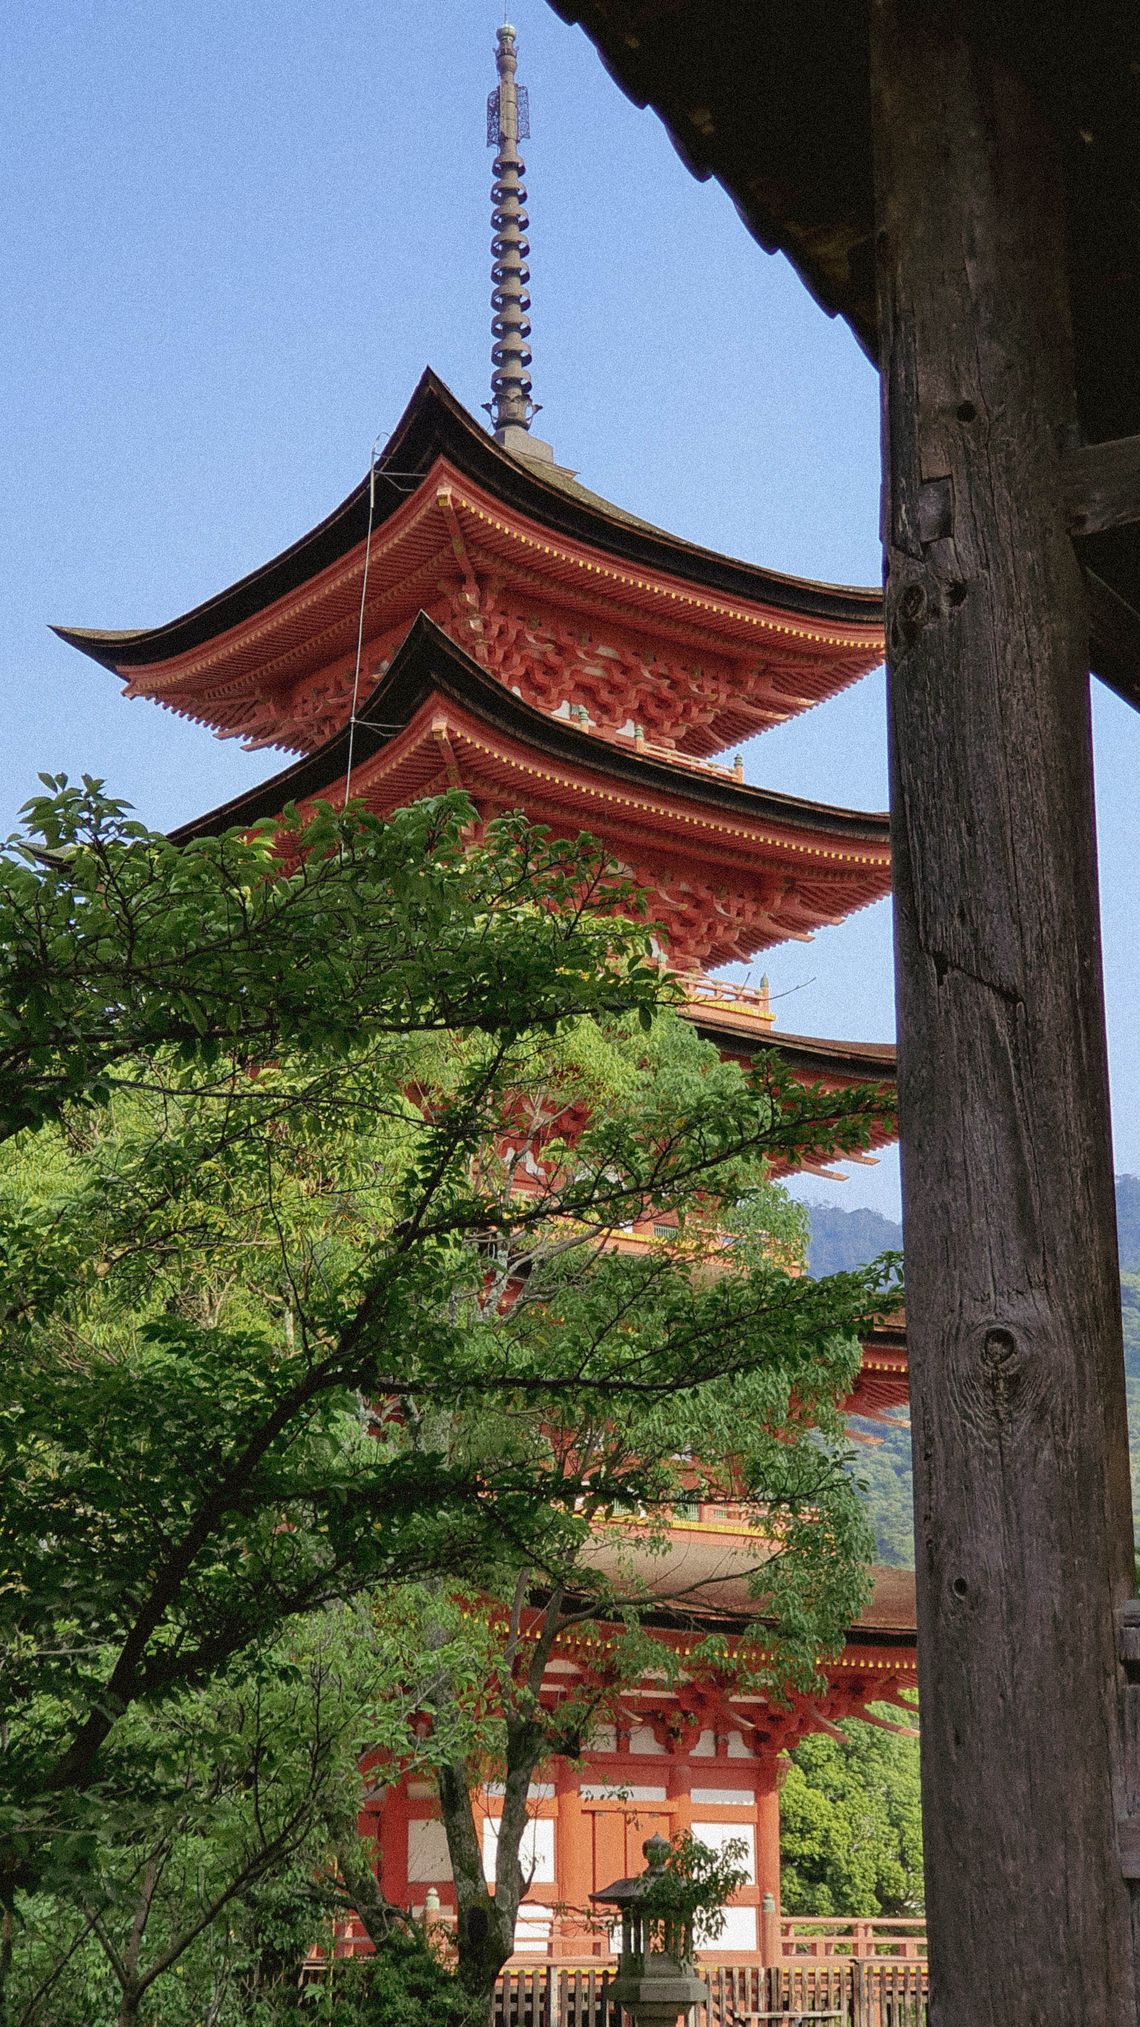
706	1577
732	869
429	662
436	425
774	101
809	1055
811	1059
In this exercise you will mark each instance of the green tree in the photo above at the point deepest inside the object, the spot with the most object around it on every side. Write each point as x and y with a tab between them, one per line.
304	1228
881	1467
850	1823
237	1844
767	1436
301	936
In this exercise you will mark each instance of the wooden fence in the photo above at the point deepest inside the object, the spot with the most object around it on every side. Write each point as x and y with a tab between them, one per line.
863	1992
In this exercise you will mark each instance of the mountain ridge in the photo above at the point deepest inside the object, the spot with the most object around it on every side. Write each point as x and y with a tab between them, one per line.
841	1240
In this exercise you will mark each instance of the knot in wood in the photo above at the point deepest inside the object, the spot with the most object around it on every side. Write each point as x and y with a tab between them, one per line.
935	510
909	613
1003	1371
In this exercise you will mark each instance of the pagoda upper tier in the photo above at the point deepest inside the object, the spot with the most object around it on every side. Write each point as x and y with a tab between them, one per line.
568	601
730	869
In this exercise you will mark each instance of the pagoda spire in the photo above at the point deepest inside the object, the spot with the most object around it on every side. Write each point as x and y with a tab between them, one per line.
508	121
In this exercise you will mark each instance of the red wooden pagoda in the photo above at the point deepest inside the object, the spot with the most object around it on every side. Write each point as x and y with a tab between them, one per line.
472	616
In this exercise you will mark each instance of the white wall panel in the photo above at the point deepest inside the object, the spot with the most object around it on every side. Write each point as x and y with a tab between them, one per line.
536	1853
428	1861
739	1932
717	1835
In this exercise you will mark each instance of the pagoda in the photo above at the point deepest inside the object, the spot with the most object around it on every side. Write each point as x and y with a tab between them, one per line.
471	616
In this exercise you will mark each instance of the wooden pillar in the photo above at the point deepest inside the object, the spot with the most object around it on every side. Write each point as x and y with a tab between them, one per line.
389	1826
573	1859
680	1796
768	1775
768	1830
1023	1525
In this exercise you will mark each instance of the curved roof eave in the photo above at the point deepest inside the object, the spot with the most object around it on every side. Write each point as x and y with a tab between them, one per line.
707	1578
429	660
436	424
873	1062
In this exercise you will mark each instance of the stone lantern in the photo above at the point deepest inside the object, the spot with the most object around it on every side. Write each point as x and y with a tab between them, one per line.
656	1981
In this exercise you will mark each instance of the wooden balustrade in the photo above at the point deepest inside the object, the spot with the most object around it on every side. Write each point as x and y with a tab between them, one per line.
844	1936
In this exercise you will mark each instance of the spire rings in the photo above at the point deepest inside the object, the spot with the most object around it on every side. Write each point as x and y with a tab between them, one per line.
511	355
508	119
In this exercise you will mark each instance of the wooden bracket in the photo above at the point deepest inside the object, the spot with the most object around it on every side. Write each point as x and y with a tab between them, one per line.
1128	1638
1101	484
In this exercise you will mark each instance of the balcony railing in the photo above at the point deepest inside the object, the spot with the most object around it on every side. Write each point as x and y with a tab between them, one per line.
749	1002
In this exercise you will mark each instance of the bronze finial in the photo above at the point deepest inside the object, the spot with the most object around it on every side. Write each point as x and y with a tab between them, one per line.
508	122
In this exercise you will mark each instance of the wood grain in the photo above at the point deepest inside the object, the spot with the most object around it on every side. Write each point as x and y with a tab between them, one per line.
1023	1523
1101	485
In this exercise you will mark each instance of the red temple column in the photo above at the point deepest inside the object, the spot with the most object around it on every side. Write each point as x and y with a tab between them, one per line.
680	1797
768	1851
573	1860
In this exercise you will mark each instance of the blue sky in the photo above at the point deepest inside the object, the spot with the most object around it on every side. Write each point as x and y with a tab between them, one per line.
233	236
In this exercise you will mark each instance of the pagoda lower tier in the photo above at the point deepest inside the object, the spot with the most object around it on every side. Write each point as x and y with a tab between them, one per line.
730	869
559	595
696	1756
738	1020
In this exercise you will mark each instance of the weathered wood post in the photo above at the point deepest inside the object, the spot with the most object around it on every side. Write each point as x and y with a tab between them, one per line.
1022	1501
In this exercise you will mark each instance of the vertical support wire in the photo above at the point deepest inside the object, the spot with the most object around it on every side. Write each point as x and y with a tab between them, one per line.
360	622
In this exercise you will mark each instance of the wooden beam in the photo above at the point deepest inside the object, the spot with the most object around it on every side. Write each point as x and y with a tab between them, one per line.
1022	1503
1101	485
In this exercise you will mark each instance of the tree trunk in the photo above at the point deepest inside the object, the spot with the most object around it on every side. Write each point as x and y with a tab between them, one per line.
379	1916
1023	1525
486	1920
485	1928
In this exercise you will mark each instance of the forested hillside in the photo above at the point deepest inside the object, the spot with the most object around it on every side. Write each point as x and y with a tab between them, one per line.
850	1833
842	1239
1128	1222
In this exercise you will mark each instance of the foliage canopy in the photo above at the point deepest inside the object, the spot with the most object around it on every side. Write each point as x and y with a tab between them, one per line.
316	1151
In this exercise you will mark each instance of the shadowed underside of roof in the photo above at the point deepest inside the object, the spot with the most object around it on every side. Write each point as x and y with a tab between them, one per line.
430	661
775	102
732	869
706	1578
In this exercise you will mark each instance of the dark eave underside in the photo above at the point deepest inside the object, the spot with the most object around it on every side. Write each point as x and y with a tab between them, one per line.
774	101
434	424
807	1055
429	662
714	1591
